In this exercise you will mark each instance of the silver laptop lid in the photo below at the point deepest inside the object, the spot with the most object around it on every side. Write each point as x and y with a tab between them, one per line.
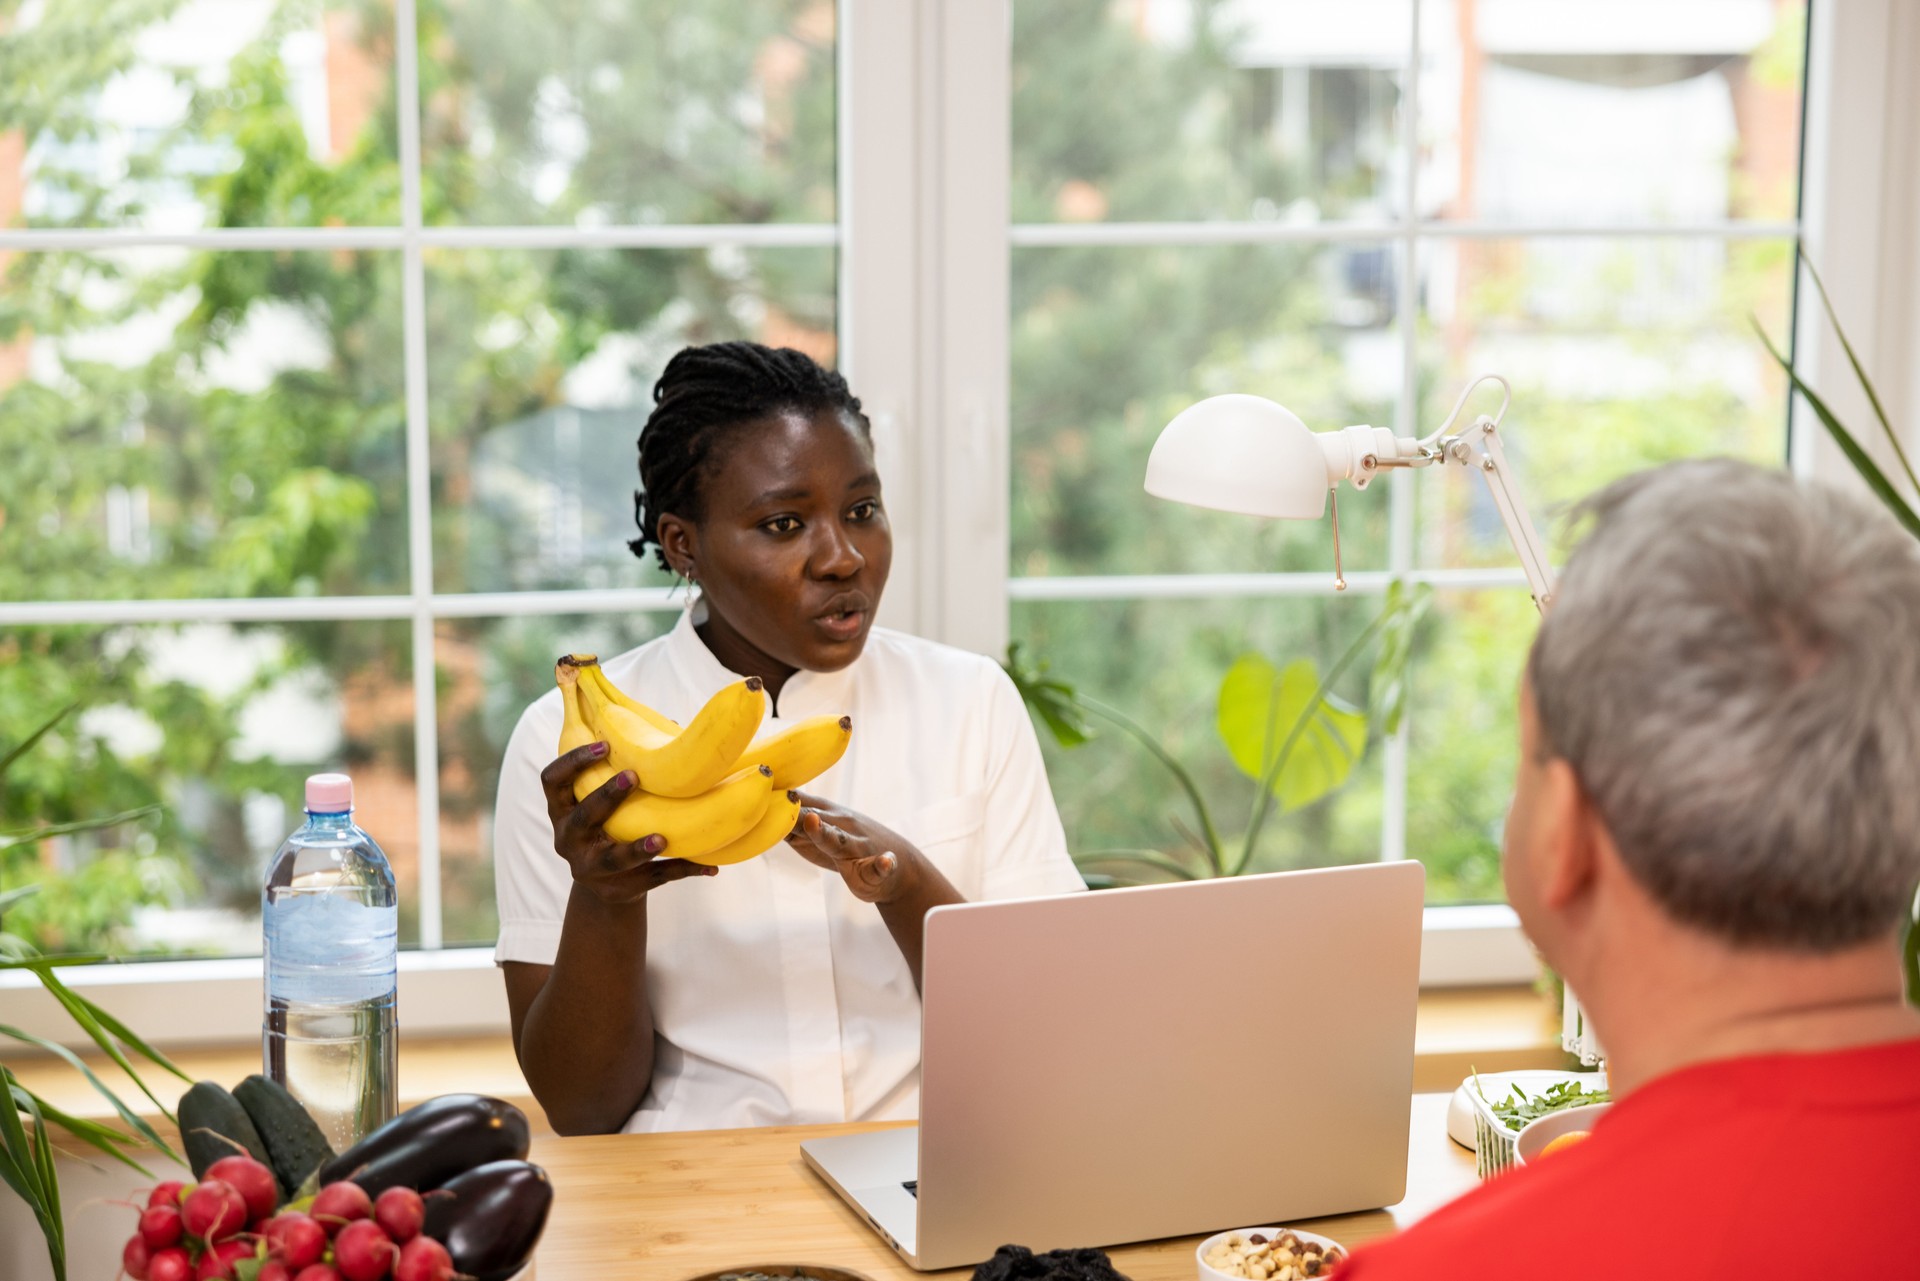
1172	1059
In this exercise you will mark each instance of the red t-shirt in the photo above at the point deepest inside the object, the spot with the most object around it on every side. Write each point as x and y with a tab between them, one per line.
1774	1166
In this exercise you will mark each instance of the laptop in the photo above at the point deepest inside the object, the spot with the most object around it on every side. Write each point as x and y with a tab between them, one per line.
1160	1061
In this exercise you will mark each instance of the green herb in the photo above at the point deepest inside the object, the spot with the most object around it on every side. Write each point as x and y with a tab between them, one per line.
1521	1107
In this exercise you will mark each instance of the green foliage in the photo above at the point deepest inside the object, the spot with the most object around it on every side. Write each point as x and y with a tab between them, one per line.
1266	716
26	1147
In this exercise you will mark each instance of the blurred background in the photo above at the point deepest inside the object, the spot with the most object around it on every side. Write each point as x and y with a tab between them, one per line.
328	328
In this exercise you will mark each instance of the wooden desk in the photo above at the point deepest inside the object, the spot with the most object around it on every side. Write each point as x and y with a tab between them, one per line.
664	1207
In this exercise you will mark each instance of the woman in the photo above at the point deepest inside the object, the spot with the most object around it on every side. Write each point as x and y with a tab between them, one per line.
783	990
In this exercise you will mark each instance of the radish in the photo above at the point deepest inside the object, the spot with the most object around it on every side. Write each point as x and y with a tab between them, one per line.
400	1211
167	1193
317	1272
213	1211
295	1239
135	1259
424	1259
273	1270
253	1181
340	1203
217	1263
170	1264
363	1251
160	1226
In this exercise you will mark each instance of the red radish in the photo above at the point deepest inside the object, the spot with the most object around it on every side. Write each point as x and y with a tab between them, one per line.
135	1259
273	1270
160	1226
252	1180
170	1264
341	1202
213	1211
400	1211
317	1272
363	1251
217	1263
167	1193
424	1259
295	1239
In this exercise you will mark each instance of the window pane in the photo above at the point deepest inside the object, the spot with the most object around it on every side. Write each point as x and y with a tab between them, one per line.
542	373
1161	663
201	425
1463	738
219	725
490	670
655	111
1622	352
218	113
1610	111
1185	109
1109	344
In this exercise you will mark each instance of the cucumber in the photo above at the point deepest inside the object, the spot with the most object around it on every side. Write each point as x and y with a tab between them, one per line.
293	1139
213	1125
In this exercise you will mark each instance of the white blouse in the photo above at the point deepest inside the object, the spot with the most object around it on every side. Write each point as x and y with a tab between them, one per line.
778	998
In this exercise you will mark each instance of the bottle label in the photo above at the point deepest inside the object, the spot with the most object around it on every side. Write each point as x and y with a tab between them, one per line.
329	949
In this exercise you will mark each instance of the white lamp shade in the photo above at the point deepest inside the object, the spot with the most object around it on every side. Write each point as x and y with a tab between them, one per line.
1240	454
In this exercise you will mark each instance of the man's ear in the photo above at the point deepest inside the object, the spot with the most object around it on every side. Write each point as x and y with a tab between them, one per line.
1569	835
682	544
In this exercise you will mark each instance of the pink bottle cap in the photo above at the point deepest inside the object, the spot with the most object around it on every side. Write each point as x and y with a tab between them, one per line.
329	793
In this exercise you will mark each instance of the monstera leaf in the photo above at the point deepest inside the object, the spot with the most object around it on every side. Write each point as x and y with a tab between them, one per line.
1280	729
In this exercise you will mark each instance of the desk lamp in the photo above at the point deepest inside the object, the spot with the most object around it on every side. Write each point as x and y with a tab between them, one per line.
1246	454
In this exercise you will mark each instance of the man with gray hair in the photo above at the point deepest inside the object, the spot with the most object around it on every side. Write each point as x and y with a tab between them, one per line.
1715	838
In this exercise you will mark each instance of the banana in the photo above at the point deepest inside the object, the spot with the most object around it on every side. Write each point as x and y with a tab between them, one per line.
802	752
783	811
574	730
598	675
679	765
695	826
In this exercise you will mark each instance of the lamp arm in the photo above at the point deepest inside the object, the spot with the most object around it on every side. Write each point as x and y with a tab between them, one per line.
1480	446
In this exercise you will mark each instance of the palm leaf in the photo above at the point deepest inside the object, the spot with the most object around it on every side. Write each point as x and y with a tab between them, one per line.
28	1174
1866	383
1869	470
127	1114
81	1011
121	1030
103	1137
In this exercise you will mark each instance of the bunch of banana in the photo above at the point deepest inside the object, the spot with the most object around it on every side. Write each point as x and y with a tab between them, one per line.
715	792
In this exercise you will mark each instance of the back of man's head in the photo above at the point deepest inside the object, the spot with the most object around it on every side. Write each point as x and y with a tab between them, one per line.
1732	669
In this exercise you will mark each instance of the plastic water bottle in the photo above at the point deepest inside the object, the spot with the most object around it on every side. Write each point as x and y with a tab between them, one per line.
331	920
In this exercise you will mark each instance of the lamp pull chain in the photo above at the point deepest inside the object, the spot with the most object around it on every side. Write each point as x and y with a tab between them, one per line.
1339	579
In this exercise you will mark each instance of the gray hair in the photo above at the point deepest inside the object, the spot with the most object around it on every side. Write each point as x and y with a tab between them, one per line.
1732	668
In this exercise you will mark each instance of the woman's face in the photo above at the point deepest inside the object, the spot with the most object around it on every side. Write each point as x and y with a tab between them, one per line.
794	548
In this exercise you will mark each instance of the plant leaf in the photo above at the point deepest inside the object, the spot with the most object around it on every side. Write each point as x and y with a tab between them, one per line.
1258	707
1215	852
127	1114
126	1035
1387	690
24	1171
105	1138
80	1012
9	897
25	745
28	835
1866	383
1862	462
1054	701
1140	858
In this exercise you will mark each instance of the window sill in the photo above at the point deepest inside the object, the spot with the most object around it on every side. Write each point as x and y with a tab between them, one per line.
1494	1029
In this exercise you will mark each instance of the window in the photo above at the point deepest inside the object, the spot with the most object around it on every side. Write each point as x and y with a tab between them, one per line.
329	324
328	331
1318	204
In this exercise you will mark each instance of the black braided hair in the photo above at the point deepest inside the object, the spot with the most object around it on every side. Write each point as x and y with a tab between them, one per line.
705	393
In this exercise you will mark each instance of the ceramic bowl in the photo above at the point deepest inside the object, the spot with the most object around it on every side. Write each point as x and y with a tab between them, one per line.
1536	1134
1208	1273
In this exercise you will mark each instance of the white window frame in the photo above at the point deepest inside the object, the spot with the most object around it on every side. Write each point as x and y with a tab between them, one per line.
924	321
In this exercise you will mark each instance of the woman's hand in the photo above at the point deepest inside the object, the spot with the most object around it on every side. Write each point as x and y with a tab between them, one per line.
878	864
614	872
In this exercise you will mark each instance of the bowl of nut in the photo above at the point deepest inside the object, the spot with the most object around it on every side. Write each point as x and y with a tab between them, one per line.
1267	1254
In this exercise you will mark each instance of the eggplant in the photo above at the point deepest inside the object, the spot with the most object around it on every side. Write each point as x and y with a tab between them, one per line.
430	1143
490	1218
